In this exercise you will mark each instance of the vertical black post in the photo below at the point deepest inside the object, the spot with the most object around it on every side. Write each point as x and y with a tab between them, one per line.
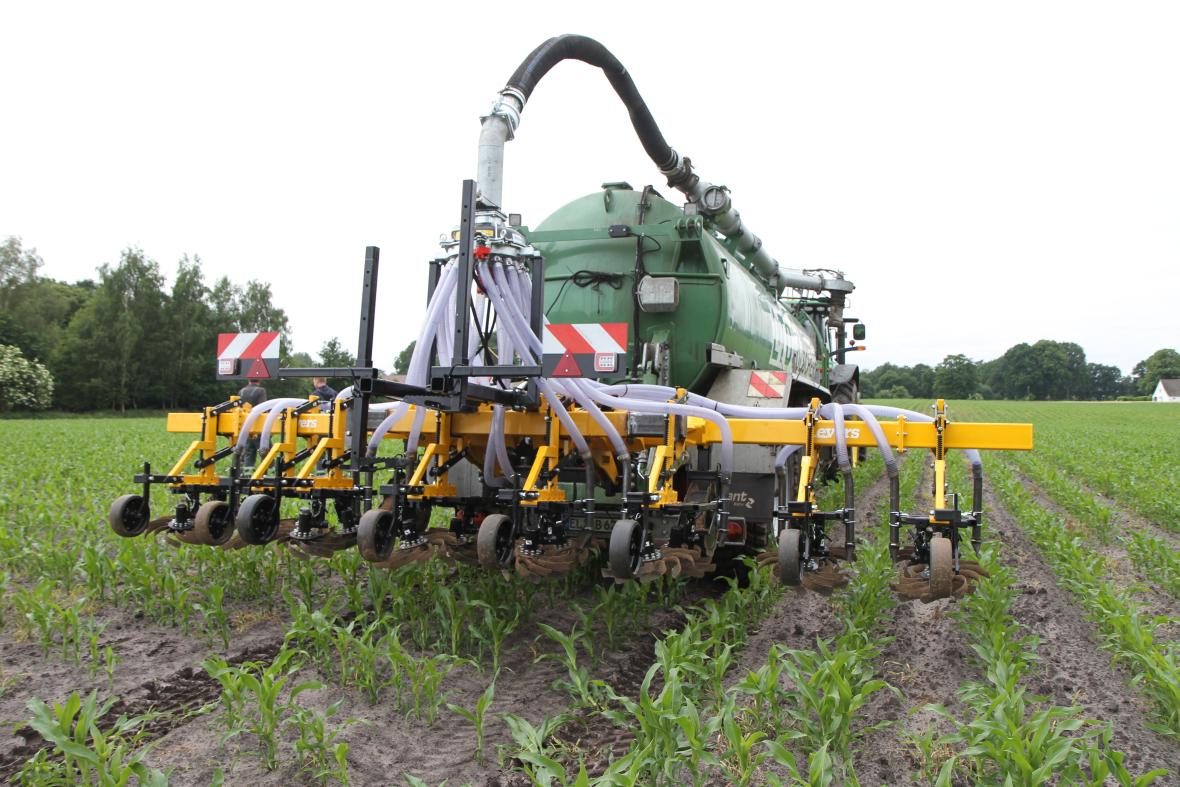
841	336
537	318
359	415
465	273
432	279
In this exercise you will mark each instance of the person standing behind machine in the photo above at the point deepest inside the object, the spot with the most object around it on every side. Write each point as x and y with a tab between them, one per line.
325	392
255	395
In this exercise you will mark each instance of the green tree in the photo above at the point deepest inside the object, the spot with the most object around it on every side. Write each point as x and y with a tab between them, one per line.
334	354
24	384
921	382
954	378
192	337
116	350
18	268
1106	382
401	364
1160	365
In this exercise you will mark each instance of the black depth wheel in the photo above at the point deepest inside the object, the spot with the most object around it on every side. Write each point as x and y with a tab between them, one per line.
128	516
626	548
494	545
790	556
258	519
375	536
212	523
941	570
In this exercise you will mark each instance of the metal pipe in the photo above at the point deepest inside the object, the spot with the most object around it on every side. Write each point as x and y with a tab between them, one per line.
500	124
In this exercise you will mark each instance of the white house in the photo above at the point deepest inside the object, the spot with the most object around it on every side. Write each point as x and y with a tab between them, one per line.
1166	391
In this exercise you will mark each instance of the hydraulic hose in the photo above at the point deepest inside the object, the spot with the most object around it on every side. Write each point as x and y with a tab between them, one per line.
251	418
519	334
501	123
522	288
275	412
587	50
671	408
420	359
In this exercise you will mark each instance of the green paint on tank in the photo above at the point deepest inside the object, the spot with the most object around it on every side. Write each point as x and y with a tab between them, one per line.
590	277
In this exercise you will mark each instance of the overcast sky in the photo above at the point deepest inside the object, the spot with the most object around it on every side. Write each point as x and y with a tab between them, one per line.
986	173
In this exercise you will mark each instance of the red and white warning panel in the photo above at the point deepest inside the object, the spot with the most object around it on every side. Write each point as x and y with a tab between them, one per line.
584	349
243	356
767	385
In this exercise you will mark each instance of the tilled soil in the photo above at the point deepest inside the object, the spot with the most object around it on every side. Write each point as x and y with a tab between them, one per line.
1074	670
157	673
1120	568
926	660
929	659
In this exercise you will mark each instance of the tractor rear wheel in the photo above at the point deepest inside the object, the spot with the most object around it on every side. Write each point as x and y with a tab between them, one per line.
625	552
258	519
212	523
941	569
128	516
375	536
494	545
790	556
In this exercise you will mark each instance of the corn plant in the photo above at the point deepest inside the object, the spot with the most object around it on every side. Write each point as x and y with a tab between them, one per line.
477	716
424	677
1154	558
532	746
213	612
1127	634
110	661
317	748
581	687
250	698
89	754
496	627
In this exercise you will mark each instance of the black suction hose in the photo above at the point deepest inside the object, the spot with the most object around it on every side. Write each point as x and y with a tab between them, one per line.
587	50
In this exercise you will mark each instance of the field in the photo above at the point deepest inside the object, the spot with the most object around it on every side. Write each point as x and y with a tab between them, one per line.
137	659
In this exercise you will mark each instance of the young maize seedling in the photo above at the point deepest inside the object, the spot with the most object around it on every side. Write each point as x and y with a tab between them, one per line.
587	692
477	716
89	753
318	750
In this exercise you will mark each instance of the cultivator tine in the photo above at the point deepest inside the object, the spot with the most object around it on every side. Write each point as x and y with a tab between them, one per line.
552	560
323	546
914	581
828	577
404	557
450	546
158	524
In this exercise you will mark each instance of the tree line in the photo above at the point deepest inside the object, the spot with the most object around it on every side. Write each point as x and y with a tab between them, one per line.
1043	370
125	339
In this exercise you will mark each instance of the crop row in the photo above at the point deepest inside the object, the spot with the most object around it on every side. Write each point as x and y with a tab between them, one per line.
1127	633
1153	558
1126	451
1006	735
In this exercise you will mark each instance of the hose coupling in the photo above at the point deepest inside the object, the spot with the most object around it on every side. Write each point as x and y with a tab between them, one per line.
508	106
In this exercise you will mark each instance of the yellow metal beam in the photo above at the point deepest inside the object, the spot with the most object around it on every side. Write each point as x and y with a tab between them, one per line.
900	433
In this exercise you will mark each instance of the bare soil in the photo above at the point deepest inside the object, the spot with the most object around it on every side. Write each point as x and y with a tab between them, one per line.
926	659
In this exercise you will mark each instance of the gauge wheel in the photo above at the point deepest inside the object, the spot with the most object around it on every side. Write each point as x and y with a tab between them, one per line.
375	536
790	556
257	521
494	545
626	548
213	525
128	516
941	570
